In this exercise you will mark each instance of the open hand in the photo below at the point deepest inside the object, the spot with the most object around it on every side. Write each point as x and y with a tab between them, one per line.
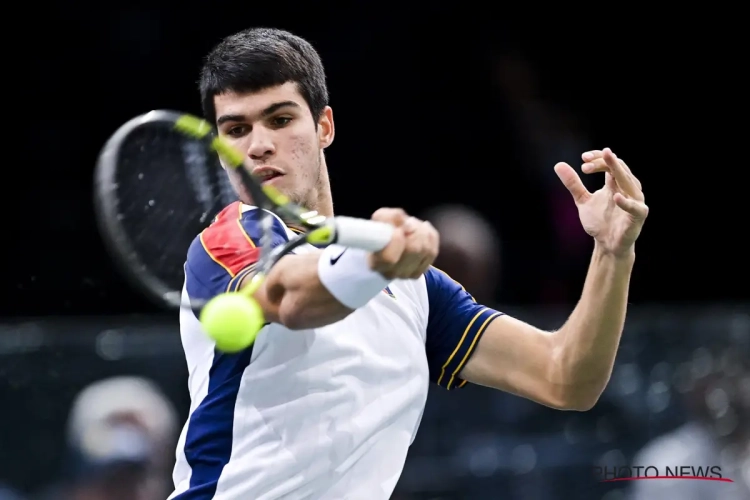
614	214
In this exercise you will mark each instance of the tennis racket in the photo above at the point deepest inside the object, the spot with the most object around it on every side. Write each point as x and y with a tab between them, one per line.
159	182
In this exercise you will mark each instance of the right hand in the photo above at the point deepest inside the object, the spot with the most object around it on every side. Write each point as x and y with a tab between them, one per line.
412	249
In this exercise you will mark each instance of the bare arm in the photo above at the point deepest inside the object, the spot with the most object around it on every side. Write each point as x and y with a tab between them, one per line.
569	368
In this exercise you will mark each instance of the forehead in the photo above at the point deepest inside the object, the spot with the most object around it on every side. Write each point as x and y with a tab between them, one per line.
252	104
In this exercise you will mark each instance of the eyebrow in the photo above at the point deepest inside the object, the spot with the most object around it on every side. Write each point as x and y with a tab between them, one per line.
268	111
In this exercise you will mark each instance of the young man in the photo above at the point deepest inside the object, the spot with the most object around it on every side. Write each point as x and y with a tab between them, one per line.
327	401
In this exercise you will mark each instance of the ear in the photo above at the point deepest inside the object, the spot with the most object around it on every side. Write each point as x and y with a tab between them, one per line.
326	130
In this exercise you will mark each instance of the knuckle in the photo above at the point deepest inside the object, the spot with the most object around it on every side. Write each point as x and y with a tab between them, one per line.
379	214
398	240
421	245
413	247
412	223
398	213
389	214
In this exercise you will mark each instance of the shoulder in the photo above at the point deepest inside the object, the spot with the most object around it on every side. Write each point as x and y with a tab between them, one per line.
455	324
442	289
224	243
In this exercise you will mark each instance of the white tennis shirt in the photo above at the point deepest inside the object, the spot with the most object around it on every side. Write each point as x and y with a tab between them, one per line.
326	413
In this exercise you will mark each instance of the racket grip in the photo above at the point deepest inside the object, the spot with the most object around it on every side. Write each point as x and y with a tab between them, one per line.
363	234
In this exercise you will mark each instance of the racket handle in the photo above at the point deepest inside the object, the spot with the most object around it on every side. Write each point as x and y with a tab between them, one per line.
363	234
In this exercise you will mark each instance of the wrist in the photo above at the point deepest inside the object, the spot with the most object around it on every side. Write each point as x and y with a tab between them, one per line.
346	274
624	257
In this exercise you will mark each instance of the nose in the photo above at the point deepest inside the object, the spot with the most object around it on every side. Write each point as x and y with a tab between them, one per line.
261	144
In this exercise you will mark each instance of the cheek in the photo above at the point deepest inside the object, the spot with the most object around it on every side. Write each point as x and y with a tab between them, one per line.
234	180
303	147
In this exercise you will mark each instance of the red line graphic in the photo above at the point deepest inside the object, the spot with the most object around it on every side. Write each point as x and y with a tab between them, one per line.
695	478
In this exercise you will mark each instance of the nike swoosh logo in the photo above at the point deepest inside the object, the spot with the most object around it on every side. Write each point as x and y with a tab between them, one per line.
336	259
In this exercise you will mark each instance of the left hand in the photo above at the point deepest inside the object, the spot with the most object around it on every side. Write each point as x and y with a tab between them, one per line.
614	214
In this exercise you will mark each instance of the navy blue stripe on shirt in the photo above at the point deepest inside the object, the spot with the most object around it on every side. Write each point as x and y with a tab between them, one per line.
208	443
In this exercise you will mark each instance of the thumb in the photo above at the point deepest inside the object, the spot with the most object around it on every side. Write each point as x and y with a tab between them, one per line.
572	181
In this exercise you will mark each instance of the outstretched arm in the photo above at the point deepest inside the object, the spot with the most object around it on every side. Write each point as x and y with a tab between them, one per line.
569	368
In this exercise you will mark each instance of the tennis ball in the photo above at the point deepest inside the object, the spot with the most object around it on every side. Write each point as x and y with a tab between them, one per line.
232	320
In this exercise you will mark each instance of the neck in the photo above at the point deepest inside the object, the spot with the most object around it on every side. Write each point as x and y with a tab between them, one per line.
323	200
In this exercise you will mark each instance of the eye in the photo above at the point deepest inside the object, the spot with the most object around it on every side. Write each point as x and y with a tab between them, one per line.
236	131
281	121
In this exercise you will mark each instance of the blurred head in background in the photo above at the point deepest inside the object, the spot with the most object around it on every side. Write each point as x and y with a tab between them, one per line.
719	395
469	249
715	385
120	436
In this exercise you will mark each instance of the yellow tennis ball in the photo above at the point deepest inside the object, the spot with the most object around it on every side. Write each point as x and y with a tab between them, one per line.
232	320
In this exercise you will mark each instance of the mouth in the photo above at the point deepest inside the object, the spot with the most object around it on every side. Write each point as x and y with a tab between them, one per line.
267	175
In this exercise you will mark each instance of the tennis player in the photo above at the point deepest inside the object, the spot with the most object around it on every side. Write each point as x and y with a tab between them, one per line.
327	401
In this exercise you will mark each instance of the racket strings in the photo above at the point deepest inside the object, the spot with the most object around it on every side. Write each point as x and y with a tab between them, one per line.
168	187
159	185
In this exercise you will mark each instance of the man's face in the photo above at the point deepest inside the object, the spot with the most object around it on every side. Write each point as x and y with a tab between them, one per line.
277	132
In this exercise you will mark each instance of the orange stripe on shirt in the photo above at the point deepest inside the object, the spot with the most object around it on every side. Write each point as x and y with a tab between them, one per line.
227	242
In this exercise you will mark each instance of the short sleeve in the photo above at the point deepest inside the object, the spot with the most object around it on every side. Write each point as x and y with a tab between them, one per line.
454	326
226	252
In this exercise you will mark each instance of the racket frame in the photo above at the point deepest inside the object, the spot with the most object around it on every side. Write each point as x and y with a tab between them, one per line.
320	230
107	214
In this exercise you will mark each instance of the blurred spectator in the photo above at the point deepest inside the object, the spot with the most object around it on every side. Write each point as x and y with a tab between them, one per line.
717	395
8	494
120	439
469	249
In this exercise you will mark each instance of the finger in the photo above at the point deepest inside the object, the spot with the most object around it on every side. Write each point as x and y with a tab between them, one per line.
634	178
421	268
600	165
385	260
412	268
624	165
411	224
622	176
572	182
594	166
635	208
594	154
431	245
419	248
409	263
591	155
395	216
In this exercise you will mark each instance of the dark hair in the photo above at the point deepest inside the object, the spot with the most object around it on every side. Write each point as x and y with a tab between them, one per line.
259	58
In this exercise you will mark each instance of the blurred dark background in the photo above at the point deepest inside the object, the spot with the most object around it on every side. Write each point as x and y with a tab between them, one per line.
434	104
